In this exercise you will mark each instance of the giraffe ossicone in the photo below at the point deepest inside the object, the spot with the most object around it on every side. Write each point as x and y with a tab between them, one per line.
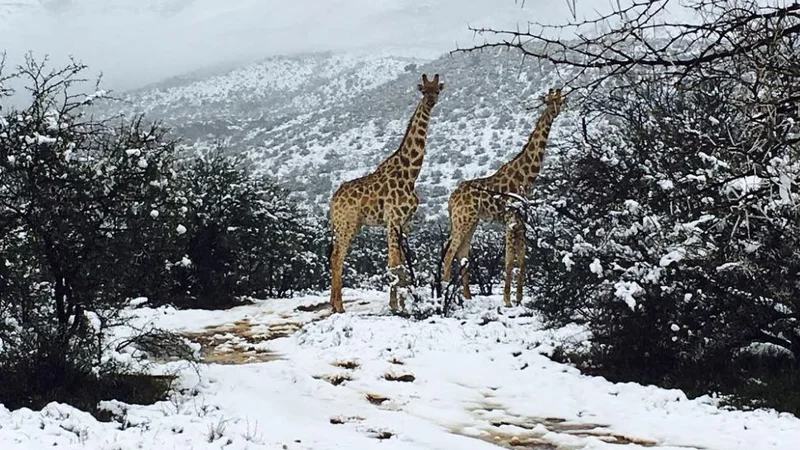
384	198
490	198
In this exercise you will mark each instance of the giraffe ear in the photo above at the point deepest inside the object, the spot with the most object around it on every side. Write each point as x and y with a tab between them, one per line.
436	78
425	78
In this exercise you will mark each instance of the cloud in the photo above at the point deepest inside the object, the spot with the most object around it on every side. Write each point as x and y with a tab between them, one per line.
134	43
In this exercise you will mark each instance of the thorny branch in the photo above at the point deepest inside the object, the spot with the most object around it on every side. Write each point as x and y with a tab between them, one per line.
640	34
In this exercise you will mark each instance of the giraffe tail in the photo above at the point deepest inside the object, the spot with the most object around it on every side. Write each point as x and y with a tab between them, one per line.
331	240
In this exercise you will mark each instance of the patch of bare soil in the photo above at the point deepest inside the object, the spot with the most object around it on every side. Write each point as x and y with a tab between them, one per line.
404	377
321	306
236	343
350	365
335	379
562	426
515	432
339	420
380	434
376	399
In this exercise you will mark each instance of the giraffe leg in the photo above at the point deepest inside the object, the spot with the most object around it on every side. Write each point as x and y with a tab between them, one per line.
403	259
395	264
463	253
453	244
511	236
343	233
460	237
520	249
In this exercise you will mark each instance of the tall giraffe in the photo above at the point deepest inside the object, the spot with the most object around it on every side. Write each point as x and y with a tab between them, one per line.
384	198
478	199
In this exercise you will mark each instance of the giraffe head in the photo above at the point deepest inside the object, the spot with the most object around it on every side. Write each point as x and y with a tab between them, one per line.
554	100
430	88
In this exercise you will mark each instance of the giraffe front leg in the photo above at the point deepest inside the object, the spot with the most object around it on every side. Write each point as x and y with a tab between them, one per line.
463	255
343	233
396	271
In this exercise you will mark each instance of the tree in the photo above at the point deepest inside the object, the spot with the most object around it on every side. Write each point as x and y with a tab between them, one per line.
643	33
84	218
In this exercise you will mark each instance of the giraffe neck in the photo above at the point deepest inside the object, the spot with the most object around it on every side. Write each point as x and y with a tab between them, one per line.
525	167
412	148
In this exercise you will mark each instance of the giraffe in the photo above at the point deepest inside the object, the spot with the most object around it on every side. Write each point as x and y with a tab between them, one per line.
478	199
383	198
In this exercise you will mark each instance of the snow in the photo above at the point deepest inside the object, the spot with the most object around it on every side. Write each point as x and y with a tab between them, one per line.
744	185
596	268
666	185
138	301
626	290
480	376
180	229
673	256
567	260
632	205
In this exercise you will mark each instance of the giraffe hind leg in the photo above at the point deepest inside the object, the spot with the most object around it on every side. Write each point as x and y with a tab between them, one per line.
520	249
512	232
398	274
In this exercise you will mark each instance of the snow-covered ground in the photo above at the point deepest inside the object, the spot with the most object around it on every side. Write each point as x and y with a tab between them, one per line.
367	379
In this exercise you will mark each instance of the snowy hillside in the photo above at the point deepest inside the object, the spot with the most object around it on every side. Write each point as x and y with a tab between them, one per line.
275	88
316	120
284	374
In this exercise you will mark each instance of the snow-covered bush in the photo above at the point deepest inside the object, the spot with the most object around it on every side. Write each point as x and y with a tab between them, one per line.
77	238
244	235
671	228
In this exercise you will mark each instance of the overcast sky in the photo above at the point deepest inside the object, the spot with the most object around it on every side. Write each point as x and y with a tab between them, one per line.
135	42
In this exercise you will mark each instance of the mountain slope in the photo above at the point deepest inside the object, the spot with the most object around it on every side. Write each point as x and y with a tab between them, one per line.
344	114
